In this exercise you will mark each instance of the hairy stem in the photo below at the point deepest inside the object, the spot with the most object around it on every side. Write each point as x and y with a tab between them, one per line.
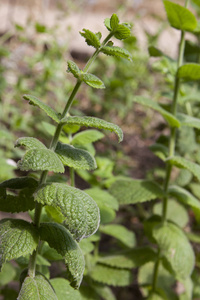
53	144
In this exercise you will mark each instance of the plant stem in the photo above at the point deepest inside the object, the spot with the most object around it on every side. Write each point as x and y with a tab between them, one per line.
172	143
72	176
53	144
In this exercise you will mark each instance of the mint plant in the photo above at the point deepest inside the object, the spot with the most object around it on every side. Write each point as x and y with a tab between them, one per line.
77	213
175	257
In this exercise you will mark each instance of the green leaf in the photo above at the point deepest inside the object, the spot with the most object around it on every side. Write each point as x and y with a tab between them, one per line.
37	288
159	150
58	237
189	72
75	158
30	143
155	52
7	274
73	68
176	249
120	232
18	238
122	32
181	162
111	276
86	246
79	210
92	80
102	198
107	23
130	259
107	214
63	290
94	122
175	212
184	196
46	108
114	22
180	17
91	38
187	120
184	177
22	202
117	52
19	183
172	121
104	291
41	160
86	137
129	191
88	293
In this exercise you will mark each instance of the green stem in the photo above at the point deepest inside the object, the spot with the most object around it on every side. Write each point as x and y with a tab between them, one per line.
53	144
72	176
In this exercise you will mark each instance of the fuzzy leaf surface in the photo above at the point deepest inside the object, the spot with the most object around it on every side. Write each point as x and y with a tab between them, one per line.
63	290
79	209
30	143
184	196
121	233
19	183
94	122
73	68
37	288
176	249
172	121
122	32
180	17
41	160
114	22
46	108
17	238
117	52
181	162
111	276
59	238
129	191
91	38
189	72
87	137
75	158
92	81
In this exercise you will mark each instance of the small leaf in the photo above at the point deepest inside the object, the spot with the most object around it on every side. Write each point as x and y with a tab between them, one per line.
159	150
189	72
18	238
92	81
37	288
117	52
129	191
155	52
114	22
91	38
19	183
86	246
181	162
120	232
176	249
184	196
87	137
130	259
41	160
94	122
111	276
122	32
102	198
59	238
73	68
7	274
174	122
107	23
180	17
104	291
46	108
189	121
63	290
79	210
75	158
30	143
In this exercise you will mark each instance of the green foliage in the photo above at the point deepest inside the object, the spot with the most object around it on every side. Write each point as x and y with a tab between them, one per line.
189	72
30	143
117	52
91	38
181	162
92	80
63	290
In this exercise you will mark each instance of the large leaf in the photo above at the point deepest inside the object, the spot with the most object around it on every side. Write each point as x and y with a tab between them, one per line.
130	259
75	158
94	122
117	52
86	137
30	143
37	288
46	108
181	162
120	232
59	238
176	249
17	238
172	121
41	160
91	38
63	290
180	17
79	209
184	196
111	276
189	72
19	183
187	120
129	191
102	198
